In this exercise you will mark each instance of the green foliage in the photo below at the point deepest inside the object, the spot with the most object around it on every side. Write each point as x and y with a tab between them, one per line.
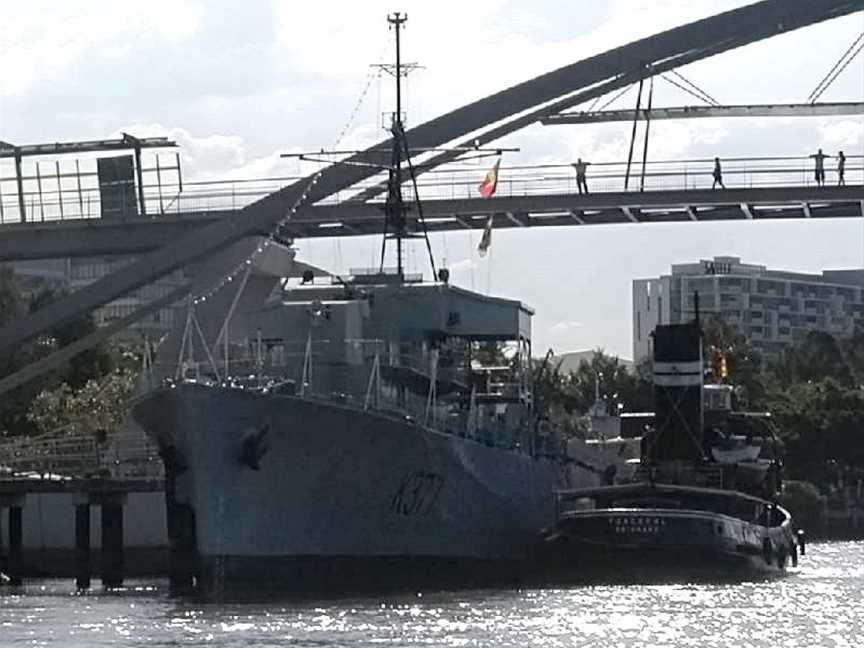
820	421
723	345
805	503
491	354
76	374
820	356
574	392
816	393
96	408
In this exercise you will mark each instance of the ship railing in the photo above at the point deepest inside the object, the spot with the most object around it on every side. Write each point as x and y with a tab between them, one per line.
350	372
683	473
300	356
294	358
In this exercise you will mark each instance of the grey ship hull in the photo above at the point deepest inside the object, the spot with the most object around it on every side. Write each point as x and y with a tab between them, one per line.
342	496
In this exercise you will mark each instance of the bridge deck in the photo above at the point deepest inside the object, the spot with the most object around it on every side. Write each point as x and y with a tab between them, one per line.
83	237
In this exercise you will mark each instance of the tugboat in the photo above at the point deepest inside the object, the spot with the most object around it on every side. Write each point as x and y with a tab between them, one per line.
703	501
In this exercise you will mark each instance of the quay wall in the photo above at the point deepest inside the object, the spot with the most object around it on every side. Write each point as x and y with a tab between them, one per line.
48	521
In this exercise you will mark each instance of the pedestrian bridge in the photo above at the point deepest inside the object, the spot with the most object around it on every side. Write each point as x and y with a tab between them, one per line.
474	125
765	188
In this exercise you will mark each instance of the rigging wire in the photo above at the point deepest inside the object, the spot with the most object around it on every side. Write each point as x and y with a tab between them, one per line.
420	218
695	87
834	72
283	224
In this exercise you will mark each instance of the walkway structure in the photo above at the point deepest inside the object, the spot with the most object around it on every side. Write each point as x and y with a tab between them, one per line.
508	110
69	238
676	190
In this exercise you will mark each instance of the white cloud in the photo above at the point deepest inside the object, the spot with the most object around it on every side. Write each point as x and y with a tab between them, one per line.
564	327
848	134
204	157
467	49
41	40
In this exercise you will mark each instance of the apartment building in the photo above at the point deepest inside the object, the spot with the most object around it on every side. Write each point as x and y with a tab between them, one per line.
773	308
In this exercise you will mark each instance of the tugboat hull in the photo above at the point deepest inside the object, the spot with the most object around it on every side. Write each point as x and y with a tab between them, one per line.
651	542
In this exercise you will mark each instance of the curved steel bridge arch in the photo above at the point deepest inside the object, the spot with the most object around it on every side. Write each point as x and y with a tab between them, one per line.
508	110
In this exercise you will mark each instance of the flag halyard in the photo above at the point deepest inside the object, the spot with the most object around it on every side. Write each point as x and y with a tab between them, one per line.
486	239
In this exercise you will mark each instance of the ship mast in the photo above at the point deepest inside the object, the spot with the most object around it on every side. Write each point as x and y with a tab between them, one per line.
394	207
395	210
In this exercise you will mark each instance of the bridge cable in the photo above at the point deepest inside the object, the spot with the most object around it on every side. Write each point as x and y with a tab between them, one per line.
834	72
633	134
695	87
647	130
617	96
593	103
686	89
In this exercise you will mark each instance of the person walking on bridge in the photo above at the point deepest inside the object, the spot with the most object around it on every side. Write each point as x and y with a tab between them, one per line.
841	169
718	174
819	159
581	182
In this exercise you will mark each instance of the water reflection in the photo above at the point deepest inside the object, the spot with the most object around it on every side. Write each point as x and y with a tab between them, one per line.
818	605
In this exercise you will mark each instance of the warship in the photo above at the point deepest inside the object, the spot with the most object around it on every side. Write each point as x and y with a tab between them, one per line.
328	434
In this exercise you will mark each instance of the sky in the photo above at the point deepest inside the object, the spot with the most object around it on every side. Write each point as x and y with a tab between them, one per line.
236	84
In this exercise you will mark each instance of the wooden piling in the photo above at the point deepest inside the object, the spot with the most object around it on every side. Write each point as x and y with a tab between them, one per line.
183	563
82	546
15	567
112	544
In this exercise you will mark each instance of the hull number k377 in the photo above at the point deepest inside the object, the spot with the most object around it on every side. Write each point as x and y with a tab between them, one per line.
417	494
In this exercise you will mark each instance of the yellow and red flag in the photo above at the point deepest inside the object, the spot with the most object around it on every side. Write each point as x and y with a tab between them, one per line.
490	183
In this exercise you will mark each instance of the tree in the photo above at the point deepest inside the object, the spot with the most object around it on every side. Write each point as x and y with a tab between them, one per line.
853	350
819	356
85	366
603	375
90	365
96	409
12	404
821	422
733	360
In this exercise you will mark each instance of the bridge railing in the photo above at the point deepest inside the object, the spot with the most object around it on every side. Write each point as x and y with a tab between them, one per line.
456	181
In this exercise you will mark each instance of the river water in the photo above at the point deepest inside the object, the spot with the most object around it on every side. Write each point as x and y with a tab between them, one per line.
819	604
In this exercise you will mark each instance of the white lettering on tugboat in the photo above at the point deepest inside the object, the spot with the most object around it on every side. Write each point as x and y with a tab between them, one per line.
634	524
